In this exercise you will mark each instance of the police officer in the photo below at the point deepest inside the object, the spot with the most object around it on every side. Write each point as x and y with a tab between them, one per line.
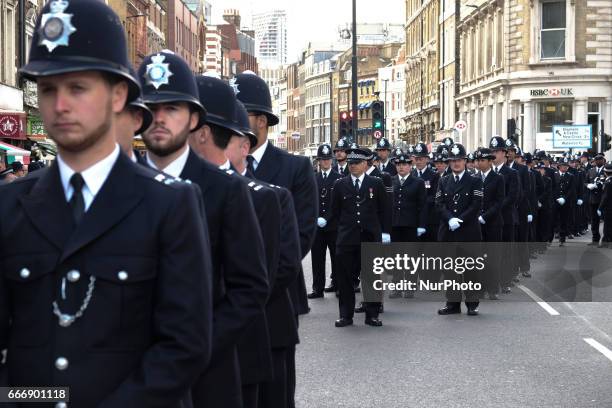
564	194
545	203
490	218
109	303
509	208
240	286
594	184
470	164
409	220
360	207
383	148
326	236
273	165
605	208
459	203
431	178
341	166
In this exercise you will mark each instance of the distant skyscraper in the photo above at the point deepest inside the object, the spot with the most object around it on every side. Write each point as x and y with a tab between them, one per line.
271	37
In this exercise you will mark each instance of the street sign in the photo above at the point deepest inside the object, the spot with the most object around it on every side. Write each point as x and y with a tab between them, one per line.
461	125
295	136
377	134
572	137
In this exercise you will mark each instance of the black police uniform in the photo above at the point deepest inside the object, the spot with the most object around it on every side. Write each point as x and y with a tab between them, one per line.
132	312
564	189
150	310
543	230
521	232
492	230
409	208
595	176
362	216
605	208
389	167
325	237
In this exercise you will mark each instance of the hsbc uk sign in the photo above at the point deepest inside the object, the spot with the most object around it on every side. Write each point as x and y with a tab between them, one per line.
551	92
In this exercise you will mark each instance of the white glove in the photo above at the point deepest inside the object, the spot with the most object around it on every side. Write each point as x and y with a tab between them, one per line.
421	231
386	238
539	204
599	213
579	202
481	220
454	223
321	222
529	218
561	200
592	186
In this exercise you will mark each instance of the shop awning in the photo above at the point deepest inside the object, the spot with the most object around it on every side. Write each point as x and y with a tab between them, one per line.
13	150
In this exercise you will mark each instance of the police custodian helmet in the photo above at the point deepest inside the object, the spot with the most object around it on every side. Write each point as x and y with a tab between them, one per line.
219	100
79	35
324	152
254	93
166	77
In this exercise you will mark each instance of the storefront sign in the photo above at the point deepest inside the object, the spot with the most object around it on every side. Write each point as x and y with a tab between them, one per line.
35	126
572	137
551	92
12	126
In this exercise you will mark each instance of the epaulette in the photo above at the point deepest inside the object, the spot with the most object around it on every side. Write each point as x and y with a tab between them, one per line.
254	186
167	180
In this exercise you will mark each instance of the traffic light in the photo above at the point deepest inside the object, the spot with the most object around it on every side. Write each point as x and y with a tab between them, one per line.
607	142
345	123
351	131
378	117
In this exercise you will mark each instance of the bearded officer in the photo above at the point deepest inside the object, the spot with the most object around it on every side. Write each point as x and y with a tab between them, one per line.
459	203
104	298
240	287
326	236
341	166
383	148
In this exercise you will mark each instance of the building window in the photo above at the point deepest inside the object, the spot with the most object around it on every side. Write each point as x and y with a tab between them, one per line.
553	113
553	29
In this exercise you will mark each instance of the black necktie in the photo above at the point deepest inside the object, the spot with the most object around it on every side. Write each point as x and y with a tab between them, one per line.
456	179
420	174
77	203
357	185
250	167
324	176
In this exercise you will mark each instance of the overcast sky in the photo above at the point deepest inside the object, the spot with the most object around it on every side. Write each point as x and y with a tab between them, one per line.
315	20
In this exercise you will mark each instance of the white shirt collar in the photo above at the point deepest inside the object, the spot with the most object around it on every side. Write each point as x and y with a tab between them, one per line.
353	178
460	175
258	154
486	173
244	172
341	167
94	176
225	166
511	165
175	168
133	158
325	173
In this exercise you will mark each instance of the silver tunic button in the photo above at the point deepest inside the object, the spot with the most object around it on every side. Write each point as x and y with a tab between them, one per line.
61	363
61	404
24	273
123	275
74	275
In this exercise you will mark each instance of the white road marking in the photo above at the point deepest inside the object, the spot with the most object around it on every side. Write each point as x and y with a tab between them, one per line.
599	347
539	301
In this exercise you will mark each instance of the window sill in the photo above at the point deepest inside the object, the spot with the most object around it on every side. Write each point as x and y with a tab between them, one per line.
544	63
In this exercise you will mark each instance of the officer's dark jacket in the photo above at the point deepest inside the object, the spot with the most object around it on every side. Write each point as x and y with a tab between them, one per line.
295	174
240	285
595	194
494	194
509	207
523	204
546	197
362	216
578	182
539	187
461	200
389	168
409	202
325	188
431	178
146	333
605	205
254	346
565	188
